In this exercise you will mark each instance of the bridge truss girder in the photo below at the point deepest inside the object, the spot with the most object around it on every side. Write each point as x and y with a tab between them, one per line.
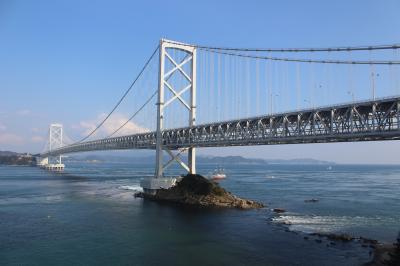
359	121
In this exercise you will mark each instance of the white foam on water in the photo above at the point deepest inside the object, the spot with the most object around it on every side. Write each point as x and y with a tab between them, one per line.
310	224
112	189
323	224
136	188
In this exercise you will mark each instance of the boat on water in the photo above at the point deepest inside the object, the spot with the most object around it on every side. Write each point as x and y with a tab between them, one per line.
218	174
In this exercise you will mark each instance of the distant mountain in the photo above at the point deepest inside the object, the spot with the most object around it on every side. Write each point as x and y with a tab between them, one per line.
242	160
8	153
13	158
229	160
299	161
9	157
218	160
108	158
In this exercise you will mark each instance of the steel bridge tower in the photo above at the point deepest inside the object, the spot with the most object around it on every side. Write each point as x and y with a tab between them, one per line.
186	68
55	142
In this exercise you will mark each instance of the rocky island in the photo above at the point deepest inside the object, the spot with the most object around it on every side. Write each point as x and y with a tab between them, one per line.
197	190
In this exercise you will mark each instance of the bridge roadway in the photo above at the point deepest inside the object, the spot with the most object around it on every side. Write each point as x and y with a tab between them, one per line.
357	121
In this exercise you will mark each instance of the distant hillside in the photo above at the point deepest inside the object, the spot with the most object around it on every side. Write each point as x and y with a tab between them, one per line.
13	158
8	153
242	160
229	160
299	161
219	160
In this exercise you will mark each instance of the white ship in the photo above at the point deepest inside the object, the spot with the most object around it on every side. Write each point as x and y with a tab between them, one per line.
218	174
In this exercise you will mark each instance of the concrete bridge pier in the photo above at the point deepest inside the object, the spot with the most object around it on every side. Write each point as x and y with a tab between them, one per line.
42	162
45	164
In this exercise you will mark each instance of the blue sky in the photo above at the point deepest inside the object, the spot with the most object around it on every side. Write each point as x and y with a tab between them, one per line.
70	61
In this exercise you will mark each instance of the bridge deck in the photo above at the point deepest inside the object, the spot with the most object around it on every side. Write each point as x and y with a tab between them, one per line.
358	121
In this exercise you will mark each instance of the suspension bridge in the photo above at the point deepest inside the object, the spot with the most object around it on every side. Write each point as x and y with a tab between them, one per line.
194	96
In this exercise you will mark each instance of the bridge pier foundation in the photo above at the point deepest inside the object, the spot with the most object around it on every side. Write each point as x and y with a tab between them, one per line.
45	164
42	162
151	185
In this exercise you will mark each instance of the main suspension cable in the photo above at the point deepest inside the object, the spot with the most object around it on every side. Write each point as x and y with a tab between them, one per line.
304	60
122	98
322	49
133	116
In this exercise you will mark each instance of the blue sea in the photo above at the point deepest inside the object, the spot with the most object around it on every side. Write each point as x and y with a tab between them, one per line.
88	215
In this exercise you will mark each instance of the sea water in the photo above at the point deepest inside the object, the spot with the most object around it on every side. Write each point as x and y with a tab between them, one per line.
88	215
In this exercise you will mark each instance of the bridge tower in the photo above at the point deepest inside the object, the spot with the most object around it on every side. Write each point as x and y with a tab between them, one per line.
185	67
55	141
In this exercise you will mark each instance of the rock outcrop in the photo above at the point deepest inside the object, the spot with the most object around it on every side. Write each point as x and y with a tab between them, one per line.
279	210
384	255
198	191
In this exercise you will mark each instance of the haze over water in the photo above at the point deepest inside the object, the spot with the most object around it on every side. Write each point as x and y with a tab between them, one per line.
88	215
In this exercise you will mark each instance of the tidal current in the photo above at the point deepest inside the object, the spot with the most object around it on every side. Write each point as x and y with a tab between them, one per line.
88	216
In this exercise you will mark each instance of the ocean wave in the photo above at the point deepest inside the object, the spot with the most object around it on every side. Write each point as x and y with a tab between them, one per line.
136	188
32	199
325	224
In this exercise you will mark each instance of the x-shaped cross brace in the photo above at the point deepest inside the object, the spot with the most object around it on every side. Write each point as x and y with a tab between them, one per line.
175	157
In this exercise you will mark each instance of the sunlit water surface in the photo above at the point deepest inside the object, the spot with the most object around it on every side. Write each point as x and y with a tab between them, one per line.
88	215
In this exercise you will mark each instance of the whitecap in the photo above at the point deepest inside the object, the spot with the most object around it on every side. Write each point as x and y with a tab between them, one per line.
136	188
323	224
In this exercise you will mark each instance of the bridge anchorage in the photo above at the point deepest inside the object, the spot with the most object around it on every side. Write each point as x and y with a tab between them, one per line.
367	119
